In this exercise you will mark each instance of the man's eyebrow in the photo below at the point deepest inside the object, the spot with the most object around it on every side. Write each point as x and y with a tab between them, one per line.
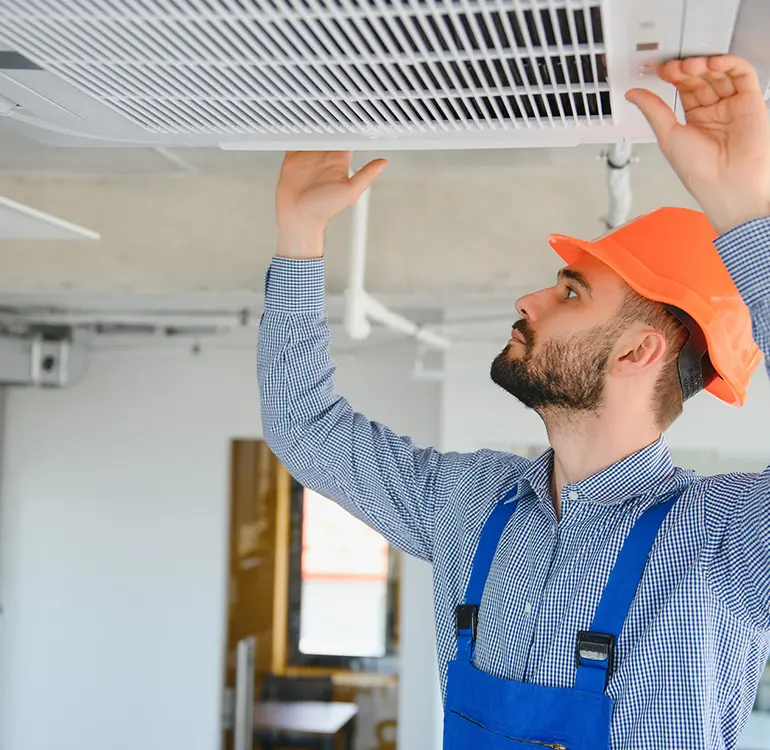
577	277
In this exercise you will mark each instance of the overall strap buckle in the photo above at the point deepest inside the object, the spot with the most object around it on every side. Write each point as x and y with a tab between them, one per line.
466	620
595	650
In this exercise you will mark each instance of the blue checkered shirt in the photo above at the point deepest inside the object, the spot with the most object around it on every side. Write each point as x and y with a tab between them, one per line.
696	639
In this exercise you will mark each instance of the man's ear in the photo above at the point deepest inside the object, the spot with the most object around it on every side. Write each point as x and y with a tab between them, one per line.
638	350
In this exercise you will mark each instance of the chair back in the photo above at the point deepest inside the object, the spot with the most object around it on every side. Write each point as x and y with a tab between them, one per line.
287	689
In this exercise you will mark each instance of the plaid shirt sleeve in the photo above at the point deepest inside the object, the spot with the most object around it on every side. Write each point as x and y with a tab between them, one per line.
381	478
739	567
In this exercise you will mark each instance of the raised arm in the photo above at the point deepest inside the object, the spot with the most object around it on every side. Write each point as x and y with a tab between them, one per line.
737	562
722	155
381	478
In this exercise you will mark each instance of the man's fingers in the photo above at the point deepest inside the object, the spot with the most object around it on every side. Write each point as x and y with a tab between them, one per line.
702	81
672	72
742	74
693	81
721	83
365	176
699	82
660	116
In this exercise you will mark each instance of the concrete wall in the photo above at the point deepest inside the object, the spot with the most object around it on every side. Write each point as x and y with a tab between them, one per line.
443	226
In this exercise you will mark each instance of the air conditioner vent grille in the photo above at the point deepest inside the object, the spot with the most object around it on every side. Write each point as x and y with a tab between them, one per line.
300	67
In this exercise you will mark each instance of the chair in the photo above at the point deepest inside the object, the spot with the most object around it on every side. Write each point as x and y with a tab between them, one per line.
292	689
384	728
276	688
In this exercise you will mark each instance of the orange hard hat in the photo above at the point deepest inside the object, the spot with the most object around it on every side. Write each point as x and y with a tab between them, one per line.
668	256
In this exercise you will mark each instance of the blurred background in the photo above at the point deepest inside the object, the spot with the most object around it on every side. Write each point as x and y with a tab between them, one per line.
145	529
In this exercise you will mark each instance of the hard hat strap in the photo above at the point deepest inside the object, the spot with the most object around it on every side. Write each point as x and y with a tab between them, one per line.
693	363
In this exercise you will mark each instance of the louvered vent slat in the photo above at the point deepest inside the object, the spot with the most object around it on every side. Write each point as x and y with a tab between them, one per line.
308	67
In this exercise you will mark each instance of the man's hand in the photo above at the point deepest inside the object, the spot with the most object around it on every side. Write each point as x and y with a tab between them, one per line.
313	188
722	154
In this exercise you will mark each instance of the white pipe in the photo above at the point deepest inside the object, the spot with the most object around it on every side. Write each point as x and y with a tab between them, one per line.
355	321
159	318
386	317
618	160
359	235
360	306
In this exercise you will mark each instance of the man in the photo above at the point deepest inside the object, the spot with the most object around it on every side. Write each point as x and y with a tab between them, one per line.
596	597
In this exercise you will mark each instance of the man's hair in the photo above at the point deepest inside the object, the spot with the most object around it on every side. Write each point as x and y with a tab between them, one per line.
668	401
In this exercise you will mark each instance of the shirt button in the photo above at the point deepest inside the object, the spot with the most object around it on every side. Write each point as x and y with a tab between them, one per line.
528	608
572	495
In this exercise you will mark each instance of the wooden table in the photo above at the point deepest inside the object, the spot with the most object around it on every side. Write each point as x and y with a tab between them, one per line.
313	723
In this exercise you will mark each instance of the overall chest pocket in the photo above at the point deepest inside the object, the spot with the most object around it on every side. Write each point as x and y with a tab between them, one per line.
467	728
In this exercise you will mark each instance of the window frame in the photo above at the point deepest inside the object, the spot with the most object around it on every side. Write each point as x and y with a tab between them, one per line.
297	658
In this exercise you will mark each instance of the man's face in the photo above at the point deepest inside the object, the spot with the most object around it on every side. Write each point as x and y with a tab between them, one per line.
559	352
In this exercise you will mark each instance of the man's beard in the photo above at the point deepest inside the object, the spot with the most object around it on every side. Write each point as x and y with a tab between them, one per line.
566	375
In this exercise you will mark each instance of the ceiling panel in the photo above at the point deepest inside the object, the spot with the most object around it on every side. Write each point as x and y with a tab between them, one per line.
20	222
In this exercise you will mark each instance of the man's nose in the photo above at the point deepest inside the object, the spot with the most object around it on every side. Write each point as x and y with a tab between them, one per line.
530	306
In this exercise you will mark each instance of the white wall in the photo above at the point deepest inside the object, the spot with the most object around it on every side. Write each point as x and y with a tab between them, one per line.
476	413
420	710
113	544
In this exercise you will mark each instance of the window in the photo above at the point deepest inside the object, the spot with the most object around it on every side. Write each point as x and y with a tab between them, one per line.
341	586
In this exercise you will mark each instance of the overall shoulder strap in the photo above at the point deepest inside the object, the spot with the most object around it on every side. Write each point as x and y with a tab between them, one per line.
595	648
466	615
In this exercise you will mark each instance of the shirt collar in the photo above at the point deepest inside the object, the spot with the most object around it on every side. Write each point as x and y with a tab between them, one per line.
632	477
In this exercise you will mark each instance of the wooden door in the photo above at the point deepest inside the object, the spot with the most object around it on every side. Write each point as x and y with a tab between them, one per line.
259	560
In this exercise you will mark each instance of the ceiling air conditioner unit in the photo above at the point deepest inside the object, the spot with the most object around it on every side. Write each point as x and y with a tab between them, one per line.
356	74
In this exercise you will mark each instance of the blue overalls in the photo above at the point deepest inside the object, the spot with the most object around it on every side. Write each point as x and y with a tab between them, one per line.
491	713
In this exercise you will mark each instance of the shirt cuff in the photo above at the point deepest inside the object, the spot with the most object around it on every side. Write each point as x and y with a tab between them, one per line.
295	285
745	251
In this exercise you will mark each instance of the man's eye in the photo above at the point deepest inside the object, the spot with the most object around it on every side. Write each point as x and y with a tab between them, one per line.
571	293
